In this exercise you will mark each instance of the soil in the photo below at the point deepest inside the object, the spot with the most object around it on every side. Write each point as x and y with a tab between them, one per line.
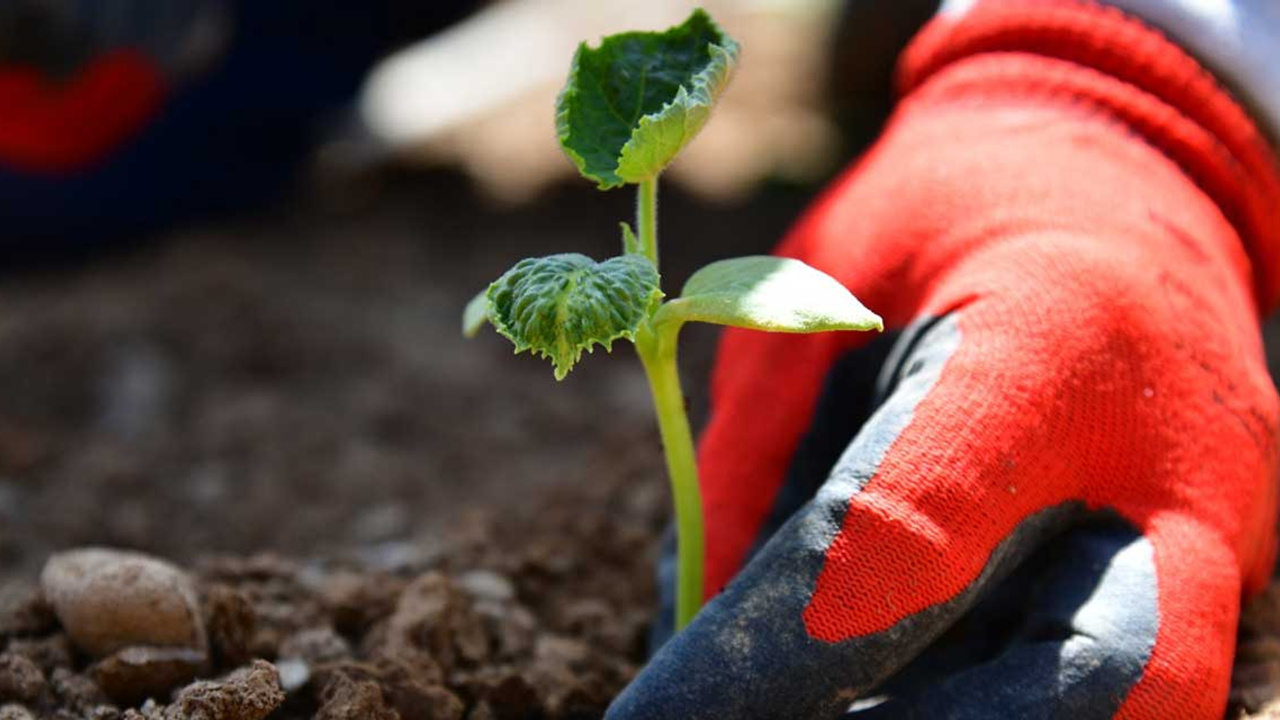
381	521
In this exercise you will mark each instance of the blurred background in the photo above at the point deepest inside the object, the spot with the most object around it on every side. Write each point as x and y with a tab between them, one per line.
236	238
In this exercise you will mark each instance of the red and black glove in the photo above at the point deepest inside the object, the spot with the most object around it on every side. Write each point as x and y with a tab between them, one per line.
1064	480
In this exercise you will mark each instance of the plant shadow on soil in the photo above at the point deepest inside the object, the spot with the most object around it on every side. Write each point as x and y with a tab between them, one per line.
406	523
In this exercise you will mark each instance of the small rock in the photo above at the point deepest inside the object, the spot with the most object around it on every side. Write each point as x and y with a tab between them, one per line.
103	712
20	679
15	712
356	601
315	645
24	611
49	652
346	698
137	673
77	692
487	585
108	600
294	673
432	616
247	694
231	622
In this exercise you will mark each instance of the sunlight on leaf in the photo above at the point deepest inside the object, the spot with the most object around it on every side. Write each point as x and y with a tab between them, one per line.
763	292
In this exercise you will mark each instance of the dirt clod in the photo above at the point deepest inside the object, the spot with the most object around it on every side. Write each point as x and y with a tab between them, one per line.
20	679
231	623
49	652
76	692
137	673
13	711
501	628
247	694
24	611
347	698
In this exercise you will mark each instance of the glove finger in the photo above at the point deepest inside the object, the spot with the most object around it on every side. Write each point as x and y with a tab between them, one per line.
1081	616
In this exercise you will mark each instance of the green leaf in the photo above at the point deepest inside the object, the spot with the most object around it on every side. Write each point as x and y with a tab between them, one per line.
763	292
559	305
475	314
631	104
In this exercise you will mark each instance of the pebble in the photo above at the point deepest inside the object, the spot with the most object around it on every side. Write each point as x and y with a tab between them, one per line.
108	600
315	645
294	673
15	712
487	585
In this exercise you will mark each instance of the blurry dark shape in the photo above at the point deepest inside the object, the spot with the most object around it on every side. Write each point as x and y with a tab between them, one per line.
869	36
118	118
480	96
59	37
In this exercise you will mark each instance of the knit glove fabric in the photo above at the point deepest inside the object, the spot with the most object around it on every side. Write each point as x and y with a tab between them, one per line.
1055	495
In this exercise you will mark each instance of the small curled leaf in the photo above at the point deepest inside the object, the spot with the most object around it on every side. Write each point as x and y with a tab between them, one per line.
630	105
559	305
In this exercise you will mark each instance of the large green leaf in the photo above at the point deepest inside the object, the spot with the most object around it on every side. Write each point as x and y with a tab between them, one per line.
559	305
631	104
763	292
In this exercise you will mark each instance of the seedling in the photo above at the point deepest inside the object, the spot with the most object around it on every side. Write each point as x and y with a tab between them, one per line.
627	109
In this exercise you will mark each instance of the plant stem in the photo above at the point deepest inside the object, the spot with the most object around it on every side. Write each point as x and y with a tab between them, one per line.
658	355
647	217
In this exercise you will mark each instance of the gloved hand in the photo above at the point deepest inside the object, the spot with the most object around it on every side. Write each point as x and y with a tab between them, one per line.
1052	499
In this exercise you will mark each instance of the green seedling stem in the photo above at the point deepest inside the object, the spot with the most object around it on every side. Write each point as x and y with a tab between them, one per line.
628	108
657	351
647	218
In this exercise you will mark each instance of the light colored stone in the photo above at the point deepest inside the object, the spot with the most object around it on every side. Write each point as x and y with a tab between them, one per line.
15	712
108	600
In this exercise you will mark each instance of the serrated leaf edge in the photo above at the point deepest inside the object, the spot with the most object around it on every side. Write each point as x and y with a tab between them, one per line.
707	85
561	371
724	56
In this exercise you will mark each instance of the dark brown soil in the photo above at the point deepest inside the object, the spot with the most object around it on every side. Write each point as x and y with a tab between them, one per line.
404	523
399	523
531	615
